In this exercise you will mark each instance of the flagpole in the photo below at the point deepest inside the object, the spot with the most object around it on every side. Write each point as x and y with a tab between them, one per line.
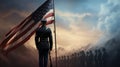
55	33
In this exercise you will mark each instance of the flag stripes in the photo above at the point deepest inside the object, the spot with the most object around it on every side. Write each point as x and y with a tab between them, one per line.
21	33
23	39
7	38
29	27
17	26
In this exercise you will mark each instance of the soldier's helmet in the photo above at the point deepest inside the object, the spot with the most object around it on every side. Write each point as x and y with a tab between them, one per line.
43	21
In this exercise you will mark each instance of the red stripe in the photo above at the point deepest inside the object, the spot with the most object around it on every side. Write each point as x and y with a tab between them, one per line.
49	15
17	26
20	35
26	39
13	33
14	30
22	42
10	31
25	24
24	32
49	22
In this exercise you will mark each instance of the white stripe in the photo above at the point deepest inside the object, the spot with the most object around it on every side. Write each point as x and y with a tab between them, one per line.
17	28
27	34
50	18
50	11
23	37
20	31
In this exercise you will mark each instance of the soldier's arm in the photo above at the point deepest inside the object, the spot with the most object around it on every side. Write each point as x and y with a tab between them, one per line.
51	40
36	39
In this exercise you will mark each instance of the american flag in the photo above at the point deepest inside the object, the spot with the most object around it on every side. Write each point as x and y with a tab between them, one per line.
22	32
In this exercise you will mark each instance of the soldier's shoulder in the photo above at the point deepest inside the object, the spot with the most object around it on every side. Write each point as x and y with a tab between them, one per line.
48	28
38	30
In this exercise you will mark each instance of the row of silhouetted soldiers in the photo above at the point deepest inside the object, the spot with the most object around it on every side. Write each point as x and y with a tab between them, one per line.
91	58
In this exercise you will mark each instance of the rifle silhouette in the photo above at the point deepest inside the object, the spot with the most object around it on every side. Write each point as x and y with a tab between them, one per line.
50	60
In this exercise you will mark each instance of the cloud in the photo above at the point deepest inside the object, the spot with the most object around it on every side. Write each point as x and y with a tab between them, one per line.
109	17
79	6
22	5
76	38
66	19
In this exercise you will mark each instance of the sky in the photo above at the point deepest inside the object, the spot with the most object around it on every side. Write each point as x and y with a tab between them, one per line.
79	22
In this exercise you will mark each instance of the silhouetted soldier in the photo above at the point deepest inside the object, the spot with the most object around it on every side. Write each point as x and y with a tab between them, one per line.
117	61
104	57
78	60
75	58
44	42
58	61
91	59
99	58
87	59
82	58
68	61
72	61
96	58
62	61
53	60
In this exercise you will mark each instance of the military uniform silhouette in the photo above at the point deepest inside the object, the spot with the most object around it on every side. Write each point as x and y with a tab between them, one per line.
59	61
87	59
91	59
63	63
96	58
82	59
99	58
104	57
43	40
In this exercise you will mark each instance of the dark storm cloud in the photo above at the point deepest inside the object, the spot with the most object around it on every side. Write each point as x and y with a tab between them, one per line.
109	22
